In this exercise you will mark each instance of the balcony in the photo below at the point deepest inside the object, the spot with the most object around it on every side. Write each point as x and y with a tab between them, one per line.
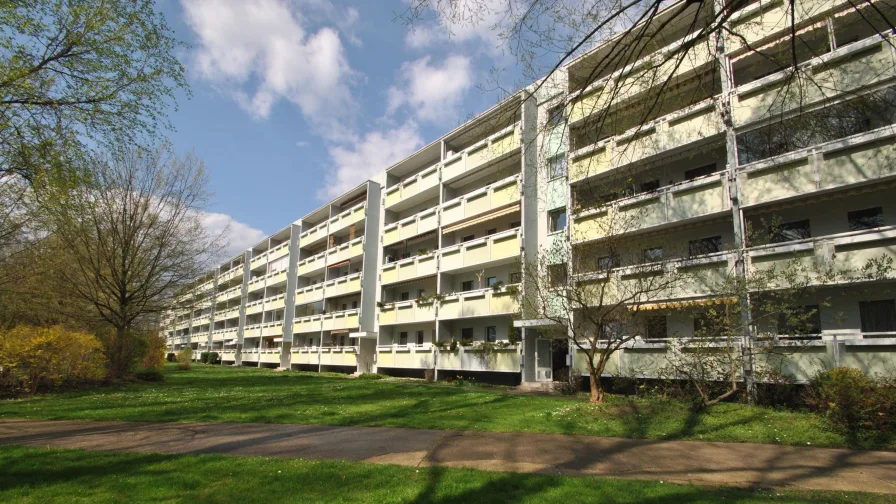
676	203
479	303
413	190
305	355
638	78
847	252
338	356
312	265
341	286
228	314
231	293
256	284
275	303
347	319
684	127
255	307
859	159
318	232
504	246
270	255
228	355
310	294
269	356
468	359
252	331
477	155
272	328
346	251
348	218
231	274
425	221
408	269
404	312
849	68
481	201
761	20
405	356
200	321
307	324
224	334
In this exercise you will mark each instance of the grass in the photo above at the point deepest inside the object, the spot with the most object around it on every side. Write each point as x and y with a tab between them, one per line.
225	394
42	476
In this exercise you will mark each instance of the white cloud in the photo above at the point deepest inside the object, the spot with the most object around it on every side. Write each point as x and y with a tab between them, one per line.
459	22
370	155
259	52
432	92
235	235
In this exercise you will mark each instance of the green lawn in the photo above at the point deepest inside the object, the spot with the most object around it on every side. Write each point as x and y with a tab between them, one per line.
71	476
225	394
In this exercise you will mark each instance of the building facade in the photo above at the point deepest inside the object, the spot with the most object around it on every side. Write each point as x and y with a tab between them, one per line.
693	143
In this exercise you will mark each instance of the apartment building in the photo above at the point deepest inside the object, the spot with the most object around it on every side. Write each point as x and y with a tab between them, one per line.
419	267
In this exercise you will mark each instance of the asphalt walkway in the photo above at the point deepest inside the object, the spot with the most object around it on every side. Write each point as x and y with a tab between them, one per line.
702	463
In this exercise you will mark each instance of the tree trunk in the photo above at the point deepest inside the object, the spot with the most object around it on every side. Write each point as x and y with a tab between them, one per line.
117	361
597	390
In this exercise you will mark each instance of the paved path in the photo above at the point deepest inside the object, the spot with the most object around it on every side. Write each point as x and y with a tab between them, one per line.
679	461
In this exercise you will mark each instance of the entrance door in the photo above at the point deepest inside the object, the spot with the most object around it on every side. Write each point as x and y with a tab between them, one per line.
543	360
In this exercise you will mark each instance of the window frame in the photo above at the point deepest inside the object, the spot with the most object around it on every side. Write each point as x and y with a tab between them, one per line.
491	334
554	220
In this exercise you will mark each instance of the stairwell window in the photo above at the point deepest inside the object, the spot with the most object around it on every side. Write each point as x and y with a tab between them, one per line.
491	334
557	166
868	218
557	220
557	275
878	316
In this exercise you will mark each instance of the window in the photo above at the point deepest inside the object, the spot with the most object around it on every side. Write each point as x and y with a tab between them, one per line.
800	321
491	231
798	230
555	116
491	281
342	340
419	337
557	275
516	277
703	246
466	333
878	316
421	293
656	327
700	172
344	306
404	296
652	254
651	186
466	286
491	334
557	219
515	224
403	338
868	218
310	341
354	305
557	166
607	262
467	238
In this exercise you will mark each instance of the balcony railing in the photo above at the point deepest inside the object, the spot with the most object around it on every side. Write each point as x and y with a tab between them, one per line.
272	328
224	334
841	163
314	234
413	186
478	303
228	313
410	268
231	274
338	356
849	68
346	251
270	255
676	203
499	246
255	307
410	227
341	286
307	324
469	359
310	294
313	264
231	293
683	127
348	217
252	331
405	356
275	303
347	319
486	199
256	284
403	312
473	157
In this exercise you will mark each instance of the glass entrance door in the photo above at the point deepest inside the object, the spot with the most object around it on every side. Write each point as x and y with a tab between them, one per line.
543	360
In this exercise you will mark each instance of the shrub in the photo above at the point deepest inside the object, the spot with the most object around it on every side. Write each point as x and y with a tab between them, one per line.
213	358
370	376
41	358
203	357
149	375
154	355
562	386
171	357
854	402
184	358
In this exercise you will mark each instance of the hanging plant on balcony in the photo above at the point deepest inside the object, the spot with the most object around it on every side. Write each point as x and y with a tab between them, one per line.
496	287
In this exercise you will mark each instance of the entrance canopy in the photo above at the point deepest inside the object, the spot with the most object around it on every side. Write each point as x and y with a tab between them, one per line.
364	334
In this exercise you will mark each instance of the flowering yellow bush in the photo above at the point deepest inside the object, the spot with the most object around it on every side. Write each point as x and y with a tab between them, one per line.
154	358
33	358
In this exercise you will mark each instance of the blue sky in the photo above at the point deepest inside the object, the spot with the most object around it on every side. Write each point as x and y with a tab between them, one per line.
295	101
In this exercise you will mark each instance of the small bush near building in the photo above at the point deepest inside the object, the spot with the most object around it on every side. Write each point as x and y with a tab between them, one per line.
47	358
213	358
184	359
154	356
370	376
856	404
203	357
149	375
171	357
